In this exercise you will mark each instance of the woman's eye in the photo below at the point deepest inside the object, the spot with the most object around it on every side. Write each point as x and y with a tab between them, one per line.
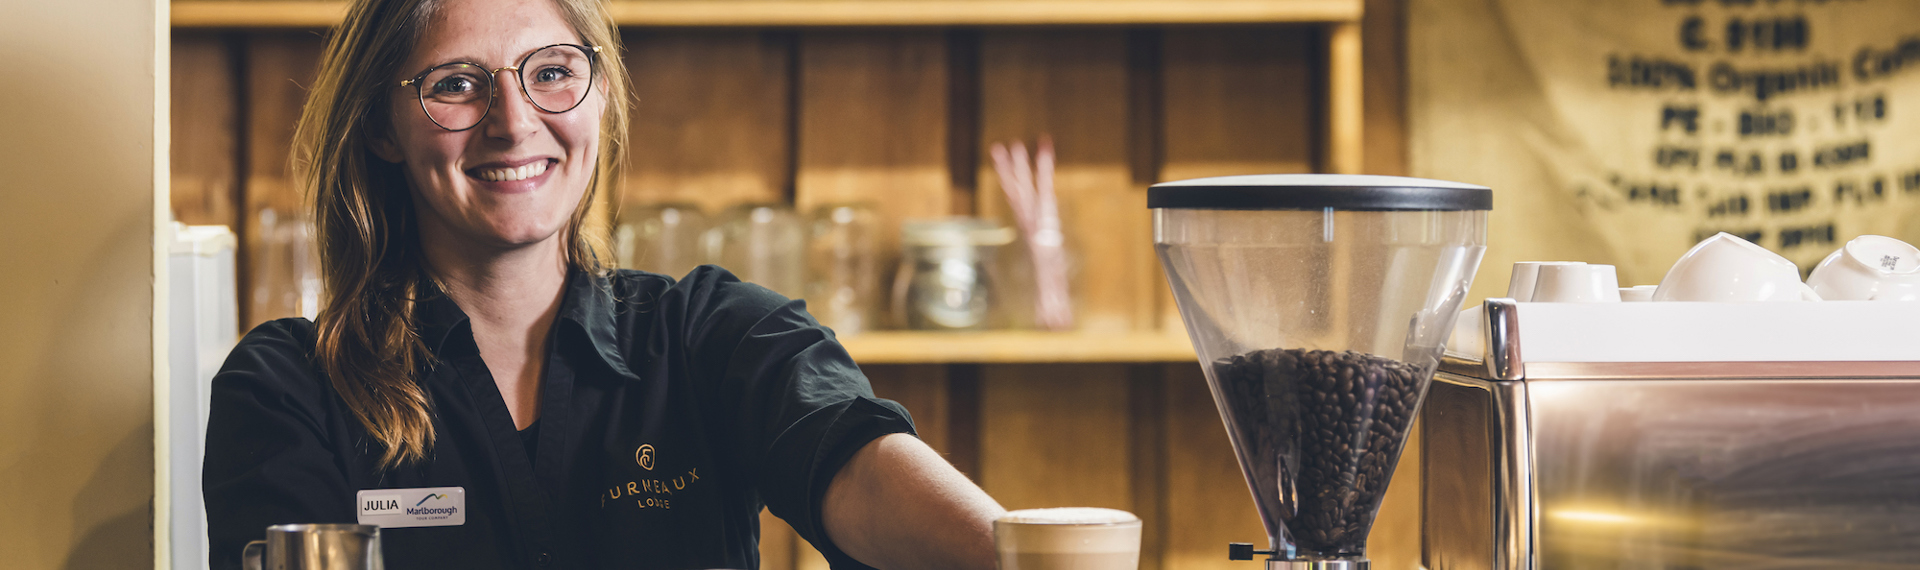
551	74
454	85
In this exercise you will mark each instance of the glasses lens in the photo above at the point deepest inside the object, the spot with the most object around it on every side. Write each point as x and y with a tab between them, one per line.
557	78
456	95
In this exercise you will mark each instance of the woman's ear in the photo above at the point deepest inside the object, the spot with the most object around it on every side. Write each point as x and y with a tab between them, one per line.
383	147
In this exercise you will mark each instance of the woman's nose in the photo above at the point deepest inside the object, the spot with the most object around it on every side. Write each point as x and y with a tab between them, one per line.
514	116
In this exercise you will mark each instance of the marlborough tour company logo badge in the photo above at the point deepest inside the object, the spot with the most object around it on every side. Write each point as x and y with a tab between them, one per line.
402	508
417	509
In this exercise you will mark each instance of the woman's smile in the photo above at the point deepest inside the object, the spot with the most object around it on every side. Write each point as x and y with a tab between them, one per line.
512	176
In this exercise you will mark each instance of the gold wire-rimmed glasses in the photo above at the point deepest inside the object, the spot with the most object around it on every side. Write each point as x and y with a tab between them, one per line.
457	96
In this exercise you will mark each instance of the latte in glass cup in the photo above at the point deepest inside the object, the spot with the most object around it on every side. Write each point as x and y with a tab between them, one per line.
1074	538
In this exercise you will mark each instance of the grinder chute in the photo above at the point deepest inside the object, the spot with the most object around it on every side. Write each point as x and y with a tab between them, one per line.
1319	306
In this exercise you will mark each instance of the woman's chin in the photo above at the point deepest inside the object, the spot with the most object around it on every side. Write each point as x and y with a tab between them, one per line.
513	238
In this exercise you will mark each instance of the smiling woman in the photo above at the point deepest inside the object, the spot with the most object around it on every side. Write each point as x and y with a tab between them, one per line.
473	345
388	181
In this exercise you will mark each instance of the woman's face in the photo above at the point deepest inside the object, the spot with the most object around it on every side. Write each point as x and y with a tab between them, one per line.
513	180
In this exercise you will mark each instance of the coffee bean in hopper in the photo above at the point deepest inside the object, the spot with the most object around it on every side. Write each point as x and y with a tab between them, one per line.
1334	423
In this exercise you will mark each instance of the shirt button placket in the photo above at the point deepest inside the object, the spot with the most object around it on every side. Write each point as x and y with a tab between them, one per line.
544	559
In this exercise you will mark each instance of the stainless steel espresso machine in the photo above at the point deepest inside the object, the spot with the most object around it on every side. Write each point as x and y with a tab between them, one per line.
1757	436
1319	306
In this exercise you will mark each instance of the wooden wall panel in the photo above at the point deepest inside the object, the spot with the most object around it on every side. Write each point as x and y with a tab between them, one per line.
873	126
1055	435
278	67
1208	504
1147	418
923	390
205	130
1073	86
1240	101
1383	54
710	122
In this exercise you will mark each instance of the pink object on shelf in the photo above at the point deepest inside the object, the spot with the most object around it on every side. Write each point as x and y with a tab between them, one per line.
1029	188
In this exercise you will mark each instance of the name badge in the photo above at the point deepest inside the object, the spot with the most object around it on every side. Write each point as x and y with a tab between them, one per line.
402	508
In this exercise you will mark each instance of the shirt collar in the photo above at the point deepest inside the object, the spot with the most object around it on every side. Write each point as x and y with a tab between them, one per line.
587	304
436	316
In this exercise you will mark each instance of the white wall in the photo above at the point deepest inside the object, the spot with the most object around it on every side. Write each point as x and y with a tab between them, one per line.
78	142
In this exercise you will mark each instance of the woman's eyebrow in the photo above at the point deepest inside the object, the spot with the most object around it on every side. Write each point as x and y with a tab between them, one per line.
467	59
476	60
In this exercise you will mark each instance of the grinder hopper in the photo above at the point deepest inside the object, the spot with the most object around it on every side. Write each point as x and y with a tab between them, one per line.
1319	306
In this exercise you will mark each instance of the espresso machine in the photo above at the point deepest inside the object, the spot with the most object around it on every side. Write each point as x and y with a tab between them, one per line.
1675	435
1319	306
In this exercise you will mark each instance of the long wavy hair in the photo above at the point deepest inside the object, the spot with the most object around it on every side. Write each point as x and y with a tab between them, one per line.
364	218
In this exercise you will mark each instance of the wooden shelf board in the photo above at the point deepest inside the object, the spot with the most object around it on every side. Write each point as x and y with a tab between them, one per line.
1014	347
826	13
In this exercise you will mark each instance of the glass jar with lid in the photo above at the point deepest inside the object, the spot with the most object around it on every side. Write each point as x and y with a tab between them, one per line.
944	281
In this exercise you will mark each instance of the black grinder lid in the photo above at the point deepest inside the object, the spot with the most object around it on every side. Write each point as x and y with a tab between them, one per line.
1317	192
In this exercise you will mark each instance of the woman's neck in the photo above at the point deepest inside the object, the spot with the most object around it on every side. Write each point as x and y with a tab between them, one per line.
511	298
511	289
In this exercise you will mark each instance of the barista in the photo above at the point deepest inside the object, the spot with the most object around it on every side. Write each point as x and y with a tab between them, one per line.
521	406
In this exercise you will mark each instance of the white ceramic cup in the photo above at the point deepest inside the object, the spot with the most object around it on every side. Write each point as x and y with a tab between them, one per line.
1725	268
1525	275
1637	293
1584	283
1869	267
1899	292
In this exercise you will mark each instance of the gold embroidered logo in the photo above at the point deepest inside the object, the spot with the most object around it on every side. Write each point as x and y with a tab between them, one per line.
644	456
650	493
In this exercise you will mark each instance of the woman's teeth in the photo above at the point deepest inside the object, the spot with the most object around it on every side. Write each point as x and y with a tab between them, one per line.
524	172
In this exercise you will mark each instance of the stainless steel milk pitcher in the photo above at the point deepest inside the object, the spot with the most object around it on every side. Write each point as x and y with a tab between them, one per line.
315	547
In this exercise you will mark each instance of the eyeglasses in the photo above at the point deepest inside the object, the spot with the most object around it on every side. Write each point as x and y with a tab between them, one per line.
457	96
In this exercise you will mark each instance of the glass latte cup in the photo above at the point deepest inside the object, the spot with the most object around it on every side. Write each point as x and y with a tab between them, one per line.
1068	539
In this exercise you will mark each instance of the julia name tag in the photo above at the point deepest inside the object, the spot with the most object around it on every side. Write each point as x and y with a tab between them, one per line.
402	508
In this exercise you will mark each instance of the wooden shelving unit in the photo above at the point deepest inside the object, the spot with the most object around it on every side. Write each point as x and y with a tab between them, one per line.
1016	347
761	13
1340	132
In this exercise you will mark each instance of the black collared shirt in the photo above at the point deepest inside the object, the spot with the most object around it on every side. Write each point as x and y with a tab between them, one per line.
670	413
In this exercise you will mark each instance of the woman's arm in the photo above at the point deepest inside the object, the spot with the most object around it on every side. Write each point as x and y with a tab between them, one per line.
896	504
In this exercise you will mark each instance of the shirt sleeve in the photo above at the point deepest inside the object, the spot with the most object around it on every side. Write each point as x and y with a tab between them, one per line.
797	405
267	461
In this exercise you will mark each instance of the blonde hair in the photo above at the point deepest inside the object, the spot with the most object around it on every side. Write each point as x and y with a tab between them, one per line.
370	255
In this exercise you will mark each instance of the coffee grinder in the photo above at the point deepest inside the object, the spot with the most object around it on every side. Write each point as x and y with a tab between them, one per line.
1319	306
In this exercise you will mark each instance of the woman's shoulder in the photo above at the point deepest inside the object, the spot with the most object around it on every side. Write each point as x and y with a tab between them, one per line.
275	356
279	336
708	306
706	287
634	280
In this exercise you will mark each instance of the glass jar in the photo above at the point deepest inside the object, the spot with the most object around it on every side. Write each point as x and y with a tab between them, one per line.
844	276
765	244
944	282
662	238
285	269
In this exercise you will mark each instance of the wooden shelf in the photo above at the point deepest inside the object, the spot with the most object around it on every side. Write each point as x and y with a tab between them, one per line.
1015	347
718	13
